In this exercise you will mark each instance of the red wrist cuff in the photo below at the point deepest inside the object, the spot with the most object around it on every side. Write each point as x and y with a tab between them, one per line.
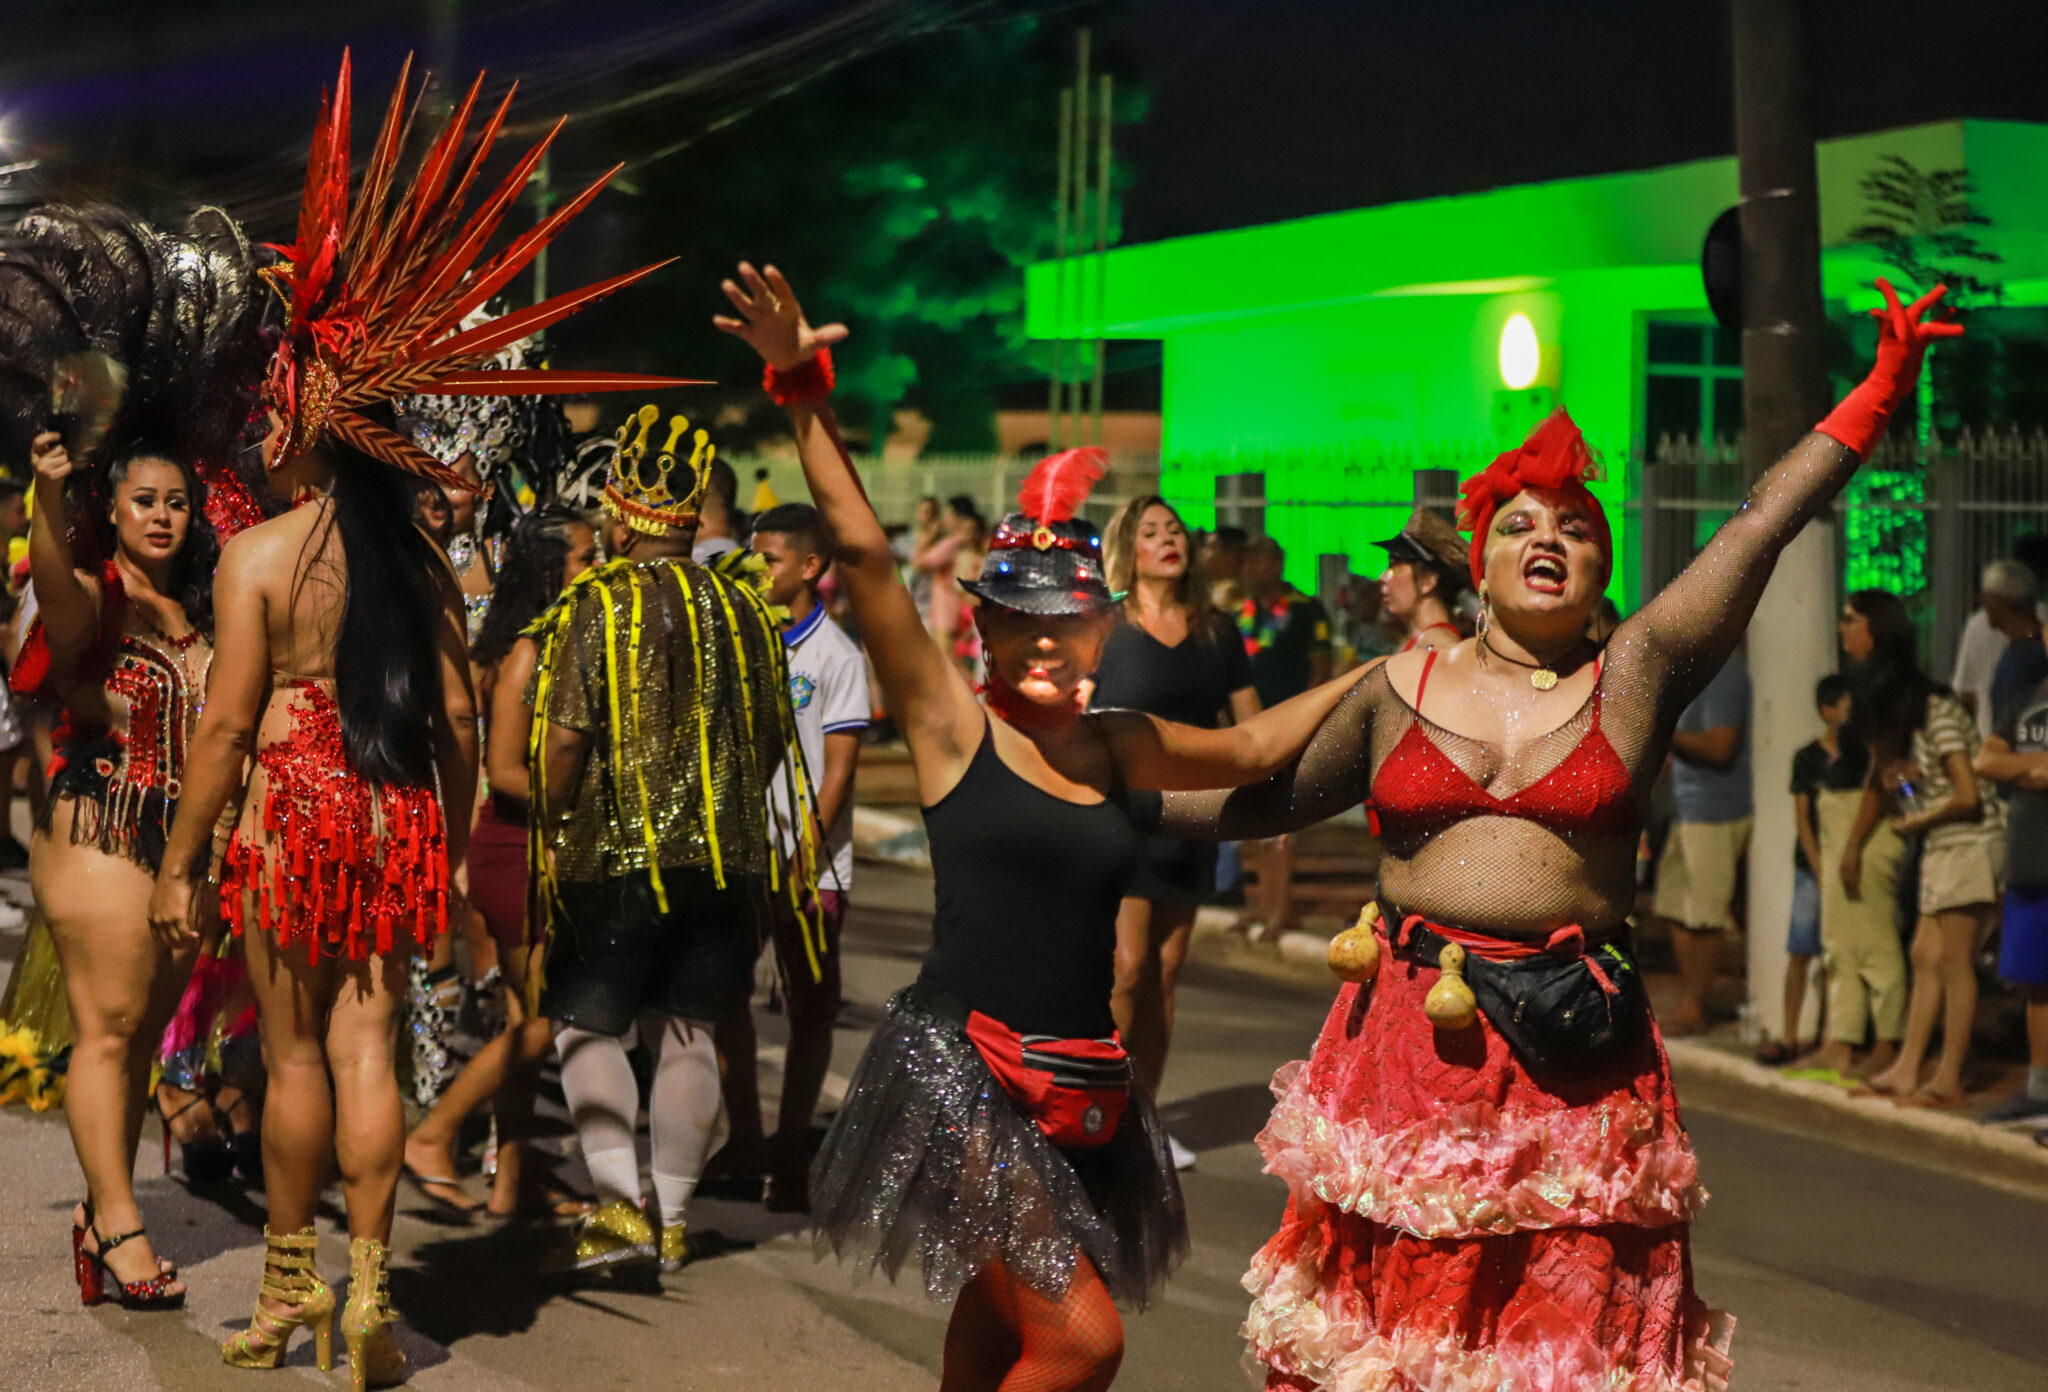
1859	421
809	381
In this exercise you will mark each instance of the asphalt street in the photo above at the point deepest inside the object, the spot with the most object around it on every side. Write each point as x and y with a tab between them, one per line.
1845	1270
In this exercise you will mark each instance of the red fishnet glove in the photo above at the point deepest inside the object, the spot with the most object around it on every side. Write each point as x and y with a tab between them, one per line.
1902	341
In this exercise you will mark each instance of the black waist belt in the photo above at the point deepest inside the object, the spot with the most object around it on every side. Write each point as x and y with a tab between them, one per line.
1565	1003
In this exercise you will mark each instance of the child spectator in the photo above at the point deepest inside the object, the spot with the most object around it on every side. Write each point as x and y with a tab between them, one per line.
828	686
1833	763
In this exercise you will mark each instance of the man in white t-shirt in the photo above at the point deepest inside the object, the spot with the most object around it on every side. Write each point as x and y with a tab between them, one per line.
1977	653
828	688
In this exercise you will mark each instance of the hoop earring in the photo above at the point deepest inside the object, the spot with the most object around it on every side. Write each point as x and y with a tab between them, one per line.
1484	624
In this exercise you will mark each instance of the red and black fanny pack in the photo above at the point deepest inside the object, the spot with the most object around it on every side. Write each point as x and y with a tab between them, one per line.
1076	1090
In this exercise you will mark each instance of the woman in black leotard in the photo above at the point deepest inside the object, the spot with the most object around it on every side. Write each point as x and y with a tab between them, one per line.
1027	1197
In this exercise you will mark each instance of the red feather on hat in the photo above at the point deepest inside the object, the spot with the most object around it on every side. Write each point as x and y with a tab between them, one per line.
1059	483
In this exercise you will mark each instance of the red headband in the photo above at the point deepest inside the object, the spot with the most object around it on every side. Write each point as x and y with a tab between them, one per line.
1554	456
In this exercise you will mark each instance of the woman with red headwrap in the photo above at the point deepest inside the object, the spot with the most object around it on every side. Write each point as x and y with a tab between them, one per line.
1490	1184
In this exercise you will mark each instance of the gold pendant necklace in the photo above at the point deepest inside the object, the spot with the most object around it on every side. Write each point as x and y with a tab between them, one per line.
1540	677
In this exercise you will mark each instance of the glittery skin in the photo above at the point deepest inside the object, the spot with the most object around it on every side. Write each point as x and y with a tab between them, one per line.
678	676
929	1161
323	857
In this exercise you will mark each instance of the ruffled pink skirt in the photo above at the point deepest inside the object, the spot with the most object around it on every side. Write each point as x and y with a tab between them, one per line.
1458	1222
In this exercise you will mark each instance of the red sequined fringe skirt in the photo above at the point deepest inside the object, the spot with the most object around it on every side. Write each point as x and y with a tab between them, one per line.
332	861
1460	1222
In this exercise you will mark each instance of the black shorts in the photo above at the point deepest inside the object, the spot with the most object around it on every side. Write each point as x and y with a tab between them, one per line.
615	954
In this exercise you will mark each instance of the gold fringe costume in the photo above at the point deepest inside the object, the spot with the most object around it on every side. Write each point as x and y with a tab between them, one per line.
678	675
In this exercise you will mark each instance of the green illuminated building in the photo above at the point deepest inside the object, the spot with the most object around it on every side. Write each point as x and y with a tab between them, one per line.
1334	354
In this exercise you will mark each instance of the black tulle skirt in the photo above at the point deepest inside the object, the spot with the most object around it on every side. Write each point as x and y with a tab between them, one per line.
930	1162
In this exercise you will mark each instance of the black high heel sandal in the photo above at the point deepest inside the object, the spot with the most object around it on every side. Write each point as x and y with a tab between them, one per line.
206	1159
97	1282
245	1146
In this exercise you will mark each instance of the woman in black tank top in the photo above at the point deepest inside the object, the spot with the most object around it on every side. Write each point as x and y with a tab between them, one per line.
1035	835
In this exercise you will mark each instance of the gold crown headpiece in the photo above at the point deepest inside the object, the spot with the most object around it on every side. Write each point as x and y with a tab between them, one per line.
639	493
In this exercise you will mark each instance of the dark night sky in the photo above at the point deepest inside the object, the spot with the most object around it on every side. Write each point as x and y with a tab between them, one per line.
1281	108
1261	109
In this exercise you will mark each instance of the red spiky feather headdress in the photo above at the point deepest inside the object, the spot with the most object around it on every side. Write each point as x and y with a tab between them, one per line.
376	290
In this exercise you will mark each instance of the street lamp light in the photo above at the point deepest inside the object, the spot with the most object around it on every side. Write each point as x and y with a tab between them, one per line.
1520	357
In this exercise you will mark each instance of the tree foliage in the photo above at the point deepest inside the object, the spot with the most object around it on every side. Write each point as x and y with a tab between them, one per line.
1918	223
903	194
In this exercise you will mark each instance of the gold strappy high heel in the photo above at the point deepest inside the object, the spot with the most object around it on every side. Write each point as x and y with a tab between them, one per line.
288	1279
374	1357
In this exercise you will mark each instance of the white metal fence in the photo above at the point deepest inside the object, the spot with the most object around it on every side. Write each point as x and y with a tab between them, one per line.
1919	520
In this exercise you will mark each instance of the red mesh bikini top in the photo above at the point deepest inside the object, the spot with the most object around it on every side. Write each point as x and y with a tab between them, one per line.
1419	789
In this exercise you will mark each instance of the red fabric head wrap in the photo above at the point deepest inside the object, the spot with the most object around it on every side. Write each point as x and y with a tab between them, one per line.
1554	456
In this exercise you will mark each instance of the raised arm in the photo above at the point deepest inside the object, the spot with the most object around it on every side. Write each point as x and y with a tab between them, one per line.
1332	773
929	698
1155	753
67	602
1695	622
217	757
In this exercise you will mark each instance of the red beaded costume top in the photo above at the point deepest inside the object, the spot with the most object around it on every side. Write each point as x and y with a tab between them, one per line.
376	290
127	713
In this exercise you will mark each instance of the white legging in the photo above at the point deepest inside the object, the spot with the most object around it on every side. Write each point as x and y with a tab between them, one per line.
604	1101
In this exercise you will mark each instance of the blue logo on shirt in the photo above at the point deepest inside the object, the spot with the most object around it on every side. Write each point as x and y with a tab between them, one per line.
801	690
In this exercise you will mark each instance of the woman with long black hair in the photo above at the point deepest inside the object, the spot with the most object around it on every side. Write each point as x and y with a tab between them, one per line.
127	649
122	560
345	857
338	867
549	548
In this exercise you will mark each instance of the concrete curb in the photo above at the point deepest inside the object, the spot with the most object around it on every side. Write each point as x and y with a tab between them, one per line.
1713	1078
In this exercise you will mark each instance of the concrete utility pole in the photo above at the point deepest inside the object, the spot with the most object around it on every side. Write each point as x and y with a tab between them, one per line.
1784	391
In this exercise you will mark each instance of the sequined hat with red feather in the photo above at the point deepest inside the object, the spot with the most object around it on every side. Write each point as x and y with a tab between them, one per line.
1043	558
376	287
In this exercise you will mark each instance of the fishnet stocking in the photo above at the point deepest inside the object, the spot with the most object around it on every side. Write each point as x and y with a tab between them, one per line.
1005	1337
